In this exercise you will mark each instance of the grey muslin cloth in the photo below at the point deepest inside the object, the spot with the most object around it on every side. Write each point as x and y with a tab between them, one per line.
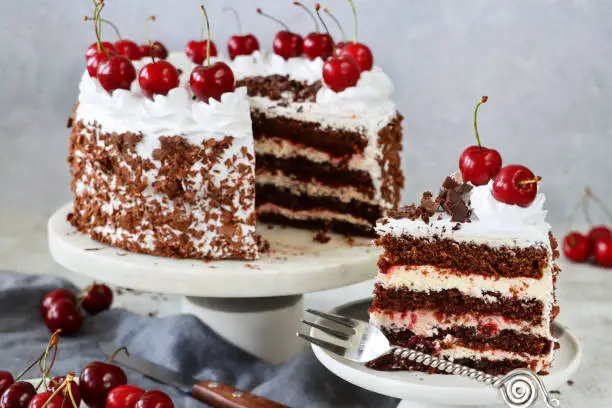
179	342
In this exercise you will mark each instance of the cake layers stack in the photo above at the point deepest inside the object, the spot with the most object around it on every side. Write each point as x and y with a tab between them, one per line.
171	176
476	285
324	159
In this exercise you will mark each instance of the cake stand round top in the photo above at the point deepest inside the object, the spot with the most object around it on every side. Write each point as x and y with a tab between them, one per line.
295	264
438	389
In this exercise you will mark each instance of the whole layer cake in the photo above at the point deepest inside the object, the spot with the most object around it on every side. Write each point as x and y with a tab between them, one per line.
469	278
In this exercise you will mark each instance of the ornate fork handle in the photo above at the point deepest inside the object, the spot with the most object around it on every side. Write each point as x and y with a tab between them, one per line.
519	388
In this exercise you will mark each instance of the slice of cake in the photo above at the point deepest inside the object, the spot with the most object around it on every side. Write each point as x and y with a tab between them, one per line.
470	278
325	159
165	175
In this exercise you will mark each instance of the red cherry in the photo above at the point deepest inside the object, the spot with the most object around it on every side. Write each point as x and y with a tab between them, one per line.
599	232
576	247
105	45
318	45
287	44
54	296
98	297
242	45
154	399
158	78
128	49
44	400
479	164
340	73
212	82
97	379
17	395
340	45
64	314
515	185
118	72
196	50
156	49
124	396
361	53
6	380
603	252
93	63
56	382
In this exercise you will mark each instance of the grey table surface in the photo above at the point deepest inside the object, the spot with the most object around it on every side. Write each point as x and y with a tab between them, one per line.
584	293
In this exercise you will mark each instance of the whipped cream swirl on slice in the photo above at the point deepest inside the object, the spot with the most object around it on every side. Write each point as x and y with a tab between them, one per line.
371	95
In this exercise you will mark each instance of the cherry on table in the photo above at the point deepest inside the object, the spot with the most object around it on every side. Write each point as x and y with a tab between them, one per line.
128	48
599	232
478	164
155	399
124	396
44	400
603	252
515	185
286	43
576	247
64	314
97	379
340	73
17	395
117	72
56	382
104	46
6	380
53	297
156	78
99	297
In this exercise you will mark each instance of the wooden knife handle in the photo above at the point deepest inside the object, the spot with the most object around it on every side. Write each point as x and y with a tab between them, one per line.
223	396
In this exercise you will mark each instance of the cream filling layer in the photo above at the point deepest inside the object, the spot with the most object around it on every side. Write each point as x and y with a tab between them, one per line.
427	278
312	188
285	149
426	322
538	363
311	214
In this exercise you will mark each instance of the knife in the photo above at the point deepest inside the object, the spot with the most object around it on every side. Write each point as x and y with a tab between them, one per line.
210	392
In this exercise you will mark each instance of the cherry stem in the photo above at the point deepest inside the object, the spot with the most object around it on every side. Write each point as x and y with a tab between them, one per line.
317	9
582	204
28	368
146	33
116	352
484	99
317	28
105	21
207	33
236	16
65	384
259	11
355	24
98	6
42	363
603	207
337	23
536	179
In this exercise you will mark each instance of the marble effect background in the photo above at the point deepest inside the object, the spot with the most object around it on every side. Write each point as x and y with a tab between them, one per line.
544	64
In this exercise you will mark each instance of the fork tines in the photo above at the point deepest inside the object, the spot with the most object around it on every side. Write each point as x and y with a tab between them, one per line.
343	334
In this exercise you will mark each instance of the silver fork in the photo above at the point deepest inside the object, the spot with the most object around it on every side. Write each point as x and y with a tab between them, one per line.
361	342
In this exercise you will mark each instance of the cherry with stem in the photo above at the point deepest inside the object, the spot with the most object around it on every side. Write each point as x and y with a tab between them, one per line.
212	80
241	44
316	44
152	48
197	51
122	46
339	45
361	52
286	43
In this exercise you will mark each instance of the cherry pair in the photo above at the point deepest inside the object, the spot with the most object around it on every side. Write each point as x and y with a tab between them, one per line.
130	396
60	308
60	393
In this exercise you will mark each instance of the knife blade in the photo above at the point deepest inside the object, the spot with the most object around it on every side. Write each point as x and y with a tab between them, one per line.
210	392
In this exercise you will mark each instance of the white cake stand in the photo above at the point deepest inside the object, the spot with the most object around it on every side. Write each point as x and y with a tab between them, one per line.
420	390
255	305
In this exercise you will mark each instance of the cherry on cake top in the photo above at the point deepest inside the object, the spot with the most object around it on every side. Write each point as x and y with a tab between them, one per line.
152	48
515	184
240	44
286	44
478	164
198	51
340	44
360	52
158	78
122	46
316	44
211	80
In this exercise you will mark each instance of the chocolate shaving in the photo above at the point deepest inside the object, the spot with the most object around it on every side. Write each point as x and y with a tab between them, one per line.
452	198
321	237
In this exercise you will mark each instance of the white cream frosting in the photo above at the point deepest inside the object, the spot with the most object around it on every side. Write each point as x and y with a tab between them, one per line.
305	215
492	223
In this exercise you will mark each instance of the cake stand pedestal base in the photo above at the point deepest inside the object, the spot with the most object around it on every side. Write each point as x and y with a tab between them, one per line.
263	327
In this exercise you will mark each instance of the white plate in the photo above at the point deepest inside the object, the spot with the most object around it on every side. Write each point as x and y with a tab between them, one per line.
436	388
297	264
